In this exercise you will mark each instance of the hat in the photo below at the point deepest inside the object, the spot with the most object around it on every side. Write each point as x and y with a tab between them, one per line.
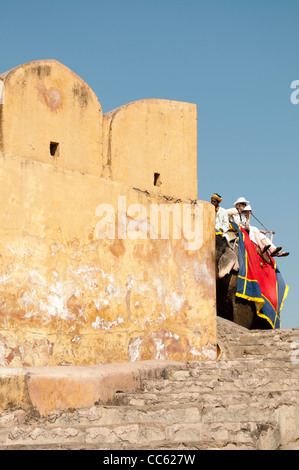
241	199
217	197
247	208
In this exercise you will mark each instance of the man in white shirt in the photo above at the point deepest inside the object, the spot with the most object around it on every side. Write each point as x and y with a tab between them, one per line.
221	220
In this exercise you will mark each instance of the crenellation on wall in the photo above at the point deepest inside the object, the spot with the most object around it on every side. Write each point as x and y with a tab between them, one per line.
45	102
152	144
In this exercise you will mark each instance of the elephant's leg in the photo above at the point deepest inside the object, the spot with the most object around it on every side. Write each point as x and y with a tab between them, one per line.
244	313
224	301
261	323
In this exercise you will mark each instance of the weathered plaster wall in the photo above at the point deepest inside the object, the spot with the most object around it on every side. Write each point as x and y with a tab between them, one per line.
149	144
153	137
46	102
69	294
68	297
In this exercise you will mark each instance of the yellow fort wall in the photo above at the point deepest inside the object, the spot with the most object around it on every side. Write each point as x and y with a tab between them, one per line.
44	103
152	144
88	275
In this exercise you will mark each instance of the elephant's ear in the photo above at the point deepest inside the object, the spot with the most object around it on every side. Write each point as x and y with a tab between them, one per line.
227	262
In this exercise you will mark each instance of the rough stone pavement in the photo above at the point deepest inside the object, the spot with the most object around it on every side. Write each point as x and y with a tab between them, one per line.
247	399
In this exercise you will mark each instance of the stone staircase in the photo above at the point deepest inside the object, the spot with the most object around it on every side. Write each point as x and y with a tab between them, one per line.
246	399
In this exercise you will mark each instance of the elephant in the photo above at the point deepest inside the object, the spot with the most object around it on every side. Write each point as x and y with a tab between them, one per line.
229	306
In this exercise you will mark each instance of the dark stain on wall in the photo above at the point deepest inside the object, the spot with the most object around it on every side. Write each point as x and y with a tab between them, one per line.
41	71
80	92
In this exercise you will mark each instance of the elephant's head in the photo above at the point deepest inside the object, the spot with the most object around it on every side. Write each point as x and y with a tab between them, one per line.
226	257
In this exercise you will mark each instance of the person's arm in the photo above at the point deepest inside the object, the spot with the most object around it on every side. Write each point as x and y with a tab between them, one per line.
265	233
224	221
232	211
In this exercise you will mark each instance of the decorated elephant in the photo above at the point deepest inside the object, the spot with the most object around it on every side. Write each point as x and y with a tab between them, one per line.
239	310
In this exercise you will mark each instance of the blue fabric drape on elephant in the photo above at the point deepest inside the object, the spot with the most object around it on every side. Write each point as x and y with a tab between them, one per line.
260	281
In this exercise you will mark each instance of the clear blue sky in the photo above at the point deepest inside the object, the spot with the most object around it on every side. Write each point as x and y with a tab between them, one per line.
235	59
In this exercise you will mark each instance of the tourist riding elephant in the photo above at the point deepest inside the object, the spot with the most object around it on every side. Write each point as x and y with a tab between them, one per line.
229	306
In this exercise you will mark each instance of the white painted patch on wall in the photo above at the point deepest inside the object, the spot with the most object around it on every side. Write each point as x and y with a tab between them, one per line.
177	301
11	249
101	302
5	279
195	352
106	325
34	277
130	282
170	335
55	303
160	348
210	352
159	287
133	350
202	274
25	300
142	289
76	339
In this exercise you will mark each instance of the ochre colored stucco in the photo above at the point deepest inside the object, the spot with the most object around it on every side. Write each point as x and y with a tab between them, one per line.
153	137
75	290
46	102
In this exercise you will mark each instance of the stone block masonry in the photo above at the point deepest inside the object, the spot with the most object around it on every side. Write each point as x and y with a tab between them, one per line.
247	402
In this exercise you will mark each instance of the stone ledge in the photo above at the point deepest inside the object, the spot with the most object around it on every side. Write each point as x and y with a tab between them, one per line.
43	389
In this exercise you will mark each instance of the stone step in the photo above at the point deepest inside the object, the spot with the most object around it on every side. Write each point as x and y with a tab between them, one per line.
215	399
266	337
258	435
152	446
167	409
245	402
244	363
164	409
214	374
261	383
234	371
235	341
108	415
